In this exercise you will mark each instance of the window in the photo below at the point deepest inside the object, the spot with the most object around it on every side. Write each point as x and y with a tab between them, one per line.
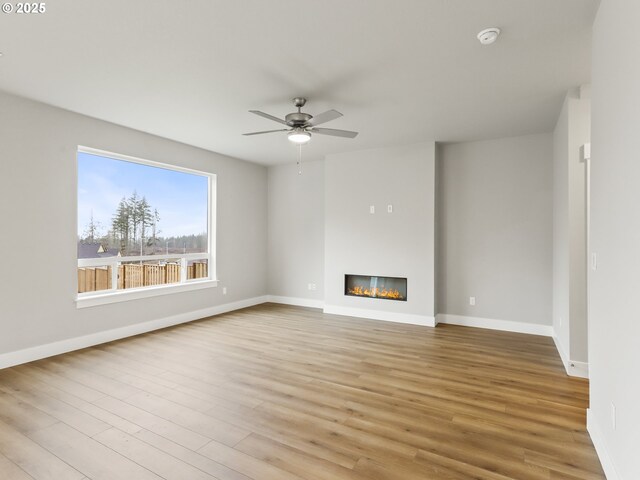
144	228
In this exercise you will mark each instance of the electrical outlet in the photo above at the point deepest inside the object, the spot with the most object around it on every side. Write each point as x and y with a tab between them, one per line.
594	261
311	286
613	416
224	290
372	209
389	208
472	301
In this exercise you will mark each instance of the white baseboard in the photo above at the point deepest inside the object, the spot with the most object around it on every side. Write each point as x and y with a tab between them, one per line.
493	324
573	367
414	319
299	302
63	346
598	442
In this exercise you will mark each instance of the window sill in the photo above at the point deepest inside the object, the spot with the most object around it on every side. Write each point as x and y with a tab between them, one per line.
93	300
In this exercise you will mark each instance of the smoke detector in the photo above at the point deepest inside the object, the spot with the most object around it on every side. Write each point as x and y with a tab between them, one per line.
489	35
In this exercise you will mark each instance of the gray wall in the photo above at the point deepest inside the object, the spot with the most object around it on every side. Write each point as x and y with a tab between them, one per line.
614	288
38	206
400	244
572	131
296	230
495	228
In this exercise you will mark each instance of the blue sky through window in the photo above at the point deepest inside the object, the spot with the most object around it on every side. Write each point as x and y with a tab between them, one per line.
180	198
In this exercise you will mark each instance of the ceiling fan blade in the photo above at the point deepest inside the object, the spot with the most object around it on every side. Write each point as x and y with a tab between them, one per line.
266	131
334	132
270	117
324	118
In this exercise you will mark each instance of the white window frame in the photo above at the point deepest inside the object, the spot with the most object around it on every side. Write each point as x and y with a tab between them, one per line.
113	295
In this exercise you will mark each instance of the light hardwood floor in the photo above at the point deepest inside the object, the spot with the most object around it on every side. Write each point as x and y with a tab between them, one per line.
283	393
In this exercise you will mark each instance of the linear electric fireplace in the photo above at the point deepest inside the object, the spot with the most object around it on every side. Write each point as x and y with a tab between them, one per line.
388	288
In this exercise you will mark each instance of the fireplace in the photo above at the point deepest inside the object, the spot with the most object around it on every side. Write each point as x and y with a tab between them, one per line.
387	288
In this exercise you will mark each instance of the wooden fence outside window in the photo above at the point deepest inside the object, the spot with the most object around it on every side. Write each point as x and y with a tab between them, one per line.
136	275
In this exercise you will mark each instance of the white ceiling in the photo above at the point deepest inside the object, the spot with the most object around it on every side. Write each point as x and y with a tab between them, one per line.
400	71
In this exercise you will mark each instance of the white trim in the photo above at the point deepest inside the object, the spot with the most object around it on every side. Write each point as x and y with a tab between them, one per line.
494	324
142	161
578	369
599	443
412	318
563	355
212	227
572	367
104	261
63	346
85	300
299	302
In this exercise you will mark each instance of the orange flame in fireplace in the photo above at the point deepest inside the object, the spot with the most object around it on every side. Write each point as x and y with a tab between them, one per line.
376	292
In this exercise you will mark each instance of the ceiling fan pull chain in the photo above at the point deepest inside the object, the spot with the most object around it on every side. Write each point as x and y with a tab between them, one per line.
299	159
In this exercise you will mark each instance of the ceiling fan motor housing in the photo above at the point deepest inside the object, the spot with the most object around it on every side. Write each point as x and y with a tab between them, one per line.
297	119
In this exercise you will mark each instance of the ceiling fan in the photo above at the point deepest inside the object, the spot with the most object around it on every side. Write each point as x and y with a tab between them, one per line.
302	125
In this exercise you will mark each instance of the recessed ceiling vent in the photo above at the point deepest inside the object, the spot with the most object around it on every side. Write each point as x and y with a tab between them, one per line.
489	35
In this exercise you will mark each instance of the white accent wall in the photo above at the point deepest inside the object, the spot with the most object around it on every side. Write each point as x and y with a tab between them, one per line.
572	132
614	305
495	233
397	244
38	208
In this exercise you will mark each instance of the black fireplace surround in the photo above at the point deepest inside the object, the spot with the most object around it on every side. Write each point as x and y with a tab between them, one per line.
386	288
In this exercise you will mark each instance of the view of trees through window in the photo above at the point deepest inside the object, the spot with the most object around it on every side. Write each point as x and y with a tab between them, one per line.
133	209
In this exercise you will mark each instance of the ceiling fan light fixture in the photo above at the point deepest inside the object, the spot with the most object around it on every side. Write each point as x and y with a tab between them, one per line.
299	136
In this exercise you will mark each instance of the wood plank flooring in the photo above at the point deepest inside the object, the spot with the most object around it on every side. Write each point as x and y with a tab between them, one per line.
285	393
